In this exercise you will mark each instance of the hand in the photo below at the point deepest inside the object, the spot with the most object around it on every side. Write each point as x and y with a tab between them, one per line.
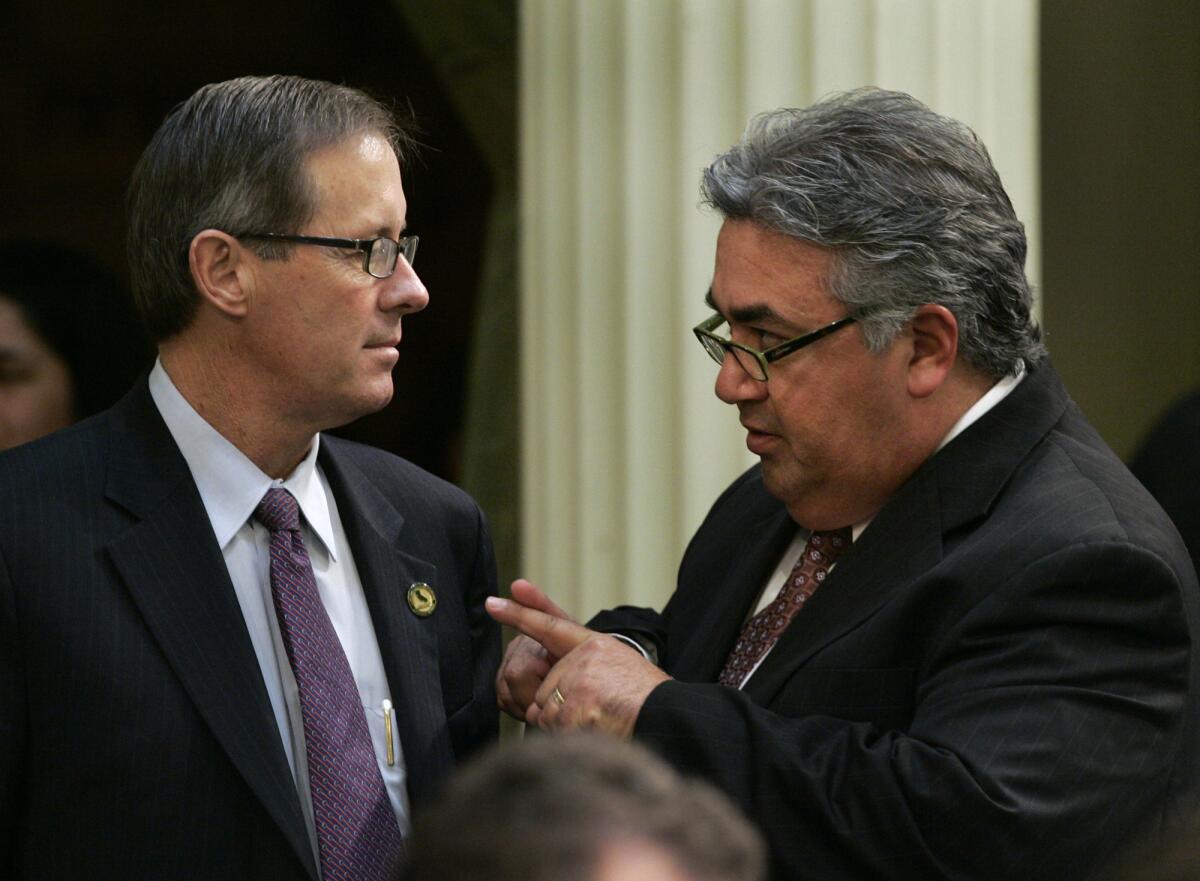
597	681
525	662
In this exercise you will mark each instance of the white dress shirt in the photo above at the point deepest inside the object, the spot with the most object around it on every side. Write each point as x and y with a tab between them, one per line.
787	562
231	486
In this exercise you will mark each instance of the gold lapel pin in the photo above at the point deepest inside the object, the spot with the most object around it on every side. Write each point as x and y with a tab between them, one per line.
421	599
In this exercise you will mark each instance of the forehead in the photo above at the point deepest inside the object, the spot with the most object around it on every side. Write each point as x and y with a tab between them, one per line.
356	177
758	269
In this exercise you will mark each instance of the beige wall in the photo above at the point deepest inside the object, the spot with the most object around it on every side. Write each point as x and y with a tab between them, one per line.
1121	205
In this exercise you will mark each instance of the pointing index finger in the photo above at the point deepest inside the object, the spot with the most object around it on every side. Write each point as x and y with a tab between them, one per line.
530	595
557	635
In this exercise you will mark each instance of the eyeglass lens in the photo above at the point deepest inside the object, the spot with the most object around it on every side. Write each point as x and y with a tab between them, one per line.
717	351
749	363
381	259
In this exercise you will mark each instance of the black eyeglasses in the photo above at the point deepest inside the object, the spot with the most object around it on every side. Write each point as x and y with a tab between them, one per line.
379	255
751	360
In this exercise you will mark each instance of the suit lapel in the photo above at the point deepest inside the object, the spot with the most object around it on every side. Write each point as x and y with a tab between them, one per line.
177	577
408	644
728	598
906	539
903	541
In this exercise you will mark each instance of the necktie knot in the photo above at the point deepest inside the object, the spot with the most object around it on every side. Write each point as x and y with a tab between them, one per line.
760	633
278	511
826	547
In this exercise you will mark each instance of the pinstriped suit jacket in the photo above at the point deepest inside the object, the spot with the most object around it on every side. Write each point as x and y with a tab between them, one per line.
136	736
998	680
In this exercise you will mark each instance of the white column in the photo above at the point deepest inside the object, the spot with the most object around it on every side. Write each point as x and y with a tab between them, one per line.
624	446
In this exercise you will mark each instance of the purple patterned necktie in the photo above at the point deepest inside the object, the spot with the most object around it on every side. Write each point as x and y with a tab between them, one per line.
357	833
761	631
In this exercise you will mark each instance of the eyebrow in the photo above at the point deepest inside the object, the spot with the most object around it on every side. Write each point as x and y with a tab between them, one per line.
384	231
746	314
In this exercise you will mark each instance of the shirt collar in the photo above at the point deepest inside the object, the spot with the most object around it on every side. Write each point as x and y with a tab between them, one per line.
990	399
230	485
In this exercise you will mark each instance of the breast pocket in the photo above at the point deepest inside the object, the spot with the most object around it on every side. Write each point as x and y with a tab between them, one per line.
883	695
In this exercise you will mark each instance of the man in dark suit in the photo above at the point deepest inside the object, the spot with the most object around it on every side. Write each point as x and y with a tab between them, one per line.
939	631
231	646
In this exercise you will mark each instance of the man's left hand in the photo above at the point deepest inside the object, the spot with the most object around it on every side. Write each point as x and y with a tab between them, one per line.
599	682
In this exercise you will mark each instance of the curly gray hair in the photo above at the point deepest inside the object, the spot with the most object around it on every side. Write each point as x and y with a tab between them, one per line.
911	206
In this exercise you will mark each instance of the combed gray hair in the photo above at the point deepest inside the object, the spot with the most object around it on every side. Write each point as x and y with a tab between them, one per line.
232	157
911	206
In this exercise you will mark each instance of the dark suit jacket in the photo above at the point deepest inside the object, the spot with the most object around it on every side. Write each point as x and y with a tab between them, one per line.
136	737
994	683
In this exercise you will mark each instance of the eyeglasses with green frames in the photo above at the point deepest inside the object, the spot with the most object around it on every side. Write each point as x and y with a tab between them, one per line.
379	254
751	360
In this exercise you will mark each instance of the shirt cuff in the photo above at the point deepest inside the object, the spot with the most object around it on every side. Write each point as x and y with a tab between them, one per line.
647	652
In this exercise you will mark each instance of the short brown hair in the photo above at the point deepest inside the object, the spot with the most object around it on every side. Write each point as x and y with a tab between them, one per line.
231	157
546	808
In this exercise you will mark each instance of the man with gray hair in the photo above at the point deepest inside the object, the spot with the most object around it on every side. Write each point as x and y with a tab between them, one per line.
939	631
232	646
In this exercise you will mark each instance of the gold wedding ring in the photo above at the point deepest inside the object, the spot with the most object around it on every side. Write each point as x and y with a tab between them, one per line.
558	697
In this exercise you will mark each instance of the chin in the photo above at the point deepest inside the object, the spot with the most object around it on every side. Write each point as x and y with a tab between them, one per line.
376	402
363	403
785	485
774	485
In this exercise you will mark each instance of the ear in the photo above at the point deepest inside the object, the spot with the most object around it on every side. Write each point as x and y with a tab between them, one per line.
219	271
934	349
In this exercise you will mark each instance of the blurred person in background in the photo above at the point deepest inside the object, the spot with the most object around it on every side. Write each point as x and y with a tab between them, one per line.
70	345
583	807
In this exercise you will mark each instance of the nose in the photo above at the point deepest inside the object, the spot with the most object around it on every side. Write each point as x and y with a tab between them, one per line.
735	385
404	291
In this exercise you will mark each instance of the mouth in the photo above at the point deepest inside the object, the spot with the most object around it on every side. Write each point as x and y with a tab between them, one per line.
385	352
758	441
390	343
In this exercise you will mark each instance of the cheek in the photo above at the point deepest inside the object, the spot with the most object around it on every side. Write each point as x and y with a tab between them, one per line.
825	426
43	404
60	397
805	415
345	316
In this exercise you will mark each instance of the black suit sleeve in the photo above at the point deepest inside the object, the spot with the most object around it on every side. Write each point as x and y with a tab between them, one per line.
644	626
1048	713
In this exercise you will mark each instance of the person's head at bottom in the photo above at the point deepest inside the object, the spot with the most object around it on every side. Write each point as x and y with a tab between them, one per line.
581	807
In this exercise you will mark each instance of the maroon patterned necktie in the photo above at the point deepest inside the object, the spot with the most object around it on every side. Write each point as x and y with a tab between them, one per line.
357	834
761	631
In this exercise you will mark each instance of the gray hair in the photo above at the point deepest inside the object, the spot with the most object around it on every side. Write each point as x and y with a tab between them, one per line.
232	157
911	206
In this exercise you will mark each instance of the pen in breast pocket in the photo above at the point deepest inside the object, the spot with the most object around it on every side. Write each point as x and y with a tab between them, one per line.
387	732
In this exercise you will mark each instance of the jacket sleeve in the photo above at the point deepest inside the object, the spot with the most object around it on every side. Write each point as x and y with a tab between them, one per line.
1046	721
